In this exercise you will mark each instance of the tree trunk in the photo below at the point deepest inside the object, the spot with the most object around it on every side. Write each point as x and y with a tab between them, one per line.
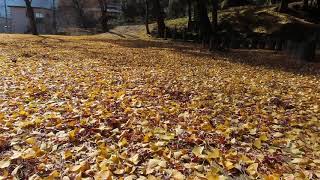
160	18
204	21
283	6
189	11
305	4
30	14
82	18
214	15
54	17
104	15
147	17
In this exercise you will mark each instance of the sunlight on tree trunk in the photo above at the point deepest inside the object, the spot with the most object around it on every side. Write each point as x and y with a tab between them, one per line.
147	16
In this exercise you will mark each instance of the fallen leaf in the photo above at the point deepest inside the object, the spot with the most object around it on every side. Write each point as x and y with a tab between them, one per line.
4	163
252	169
177	175
213	154
198	151
229	165
277	135
257	143
134	159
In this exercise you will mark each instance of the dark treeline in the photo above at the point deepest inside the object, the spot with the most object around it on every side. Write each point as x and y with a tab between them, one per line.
204	25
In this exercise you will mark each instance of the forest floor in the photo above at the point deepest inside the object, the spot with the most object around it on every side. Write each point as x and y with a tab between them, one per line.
90	106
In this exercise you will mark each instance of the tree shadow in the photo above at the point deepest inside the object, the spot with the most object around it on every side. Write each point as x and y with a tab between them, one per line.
274	60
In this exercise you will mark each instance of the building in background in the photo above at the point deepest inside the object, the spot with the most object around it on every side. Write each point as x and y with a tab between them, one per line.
13	16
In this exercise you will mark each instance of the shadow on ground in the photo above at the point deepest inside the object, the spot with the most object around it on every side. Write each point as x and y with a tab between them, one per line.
262	58
274	60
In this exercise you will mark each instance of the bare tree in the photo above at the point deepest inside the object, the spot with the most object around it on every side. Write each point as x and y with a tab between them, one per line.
104	15
54	17
79	8
147	16
30	14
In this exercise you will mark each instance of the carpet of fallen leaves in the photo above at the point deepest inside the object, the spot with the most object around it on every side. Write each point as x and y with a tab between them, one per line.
86	107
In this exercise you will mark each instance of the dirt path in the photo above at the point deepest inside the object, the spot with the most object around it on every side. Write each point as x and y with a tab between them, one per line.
128	32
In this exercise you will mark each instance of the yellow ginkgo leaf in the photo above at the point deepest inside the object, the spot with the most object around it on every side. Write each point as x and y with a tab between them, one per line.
177	175
31	141
73	134
147	137
123	142
197	151
252	169
103	175
134	159
53	175
67	154
277	135
83	166
257	143
245	159
213	174
272	177
263	137
215	153
4	163
229	165
1	116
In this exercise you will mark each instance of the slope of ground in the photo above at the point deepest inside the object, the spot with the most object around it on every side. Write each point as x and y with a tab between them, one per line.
248	20
73	107
127	32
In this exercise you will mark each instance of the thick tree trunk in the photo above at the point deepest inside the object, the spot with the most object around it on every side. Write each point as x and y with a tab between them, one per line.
147	17
30	14
160	18
82	18
305	4
214	15
283	6
204	21
189	11
104	15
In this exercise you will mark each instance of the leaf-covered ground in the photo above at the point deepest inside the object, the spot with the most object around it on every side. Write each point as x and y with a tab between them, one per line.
73	107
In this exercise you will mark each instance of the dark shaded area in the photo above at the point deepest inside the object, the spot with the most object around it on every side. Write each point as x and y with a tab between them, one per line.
253	27
262	58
